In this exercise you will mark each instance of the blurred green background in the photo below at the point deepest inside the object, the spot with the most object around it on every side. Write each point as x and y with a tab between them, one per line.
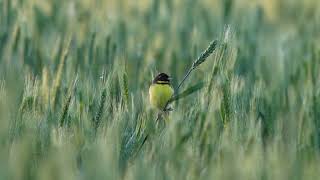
74	79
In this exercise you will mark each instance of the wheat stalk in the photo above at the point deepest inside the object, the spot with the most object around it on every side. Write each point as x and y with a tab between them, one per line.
58	78
68	101
99	114
202	58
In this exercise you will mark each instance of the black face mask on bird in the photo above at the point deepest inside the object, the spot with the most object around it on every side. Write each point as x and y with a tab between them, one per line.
161	78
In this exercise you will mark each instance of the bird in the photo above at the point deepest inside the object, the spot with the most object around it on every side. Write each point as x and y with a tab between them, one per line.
160	91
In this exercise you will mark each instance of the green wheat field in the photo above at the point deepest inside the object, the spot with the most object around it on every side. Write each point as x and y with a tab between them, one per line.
74	80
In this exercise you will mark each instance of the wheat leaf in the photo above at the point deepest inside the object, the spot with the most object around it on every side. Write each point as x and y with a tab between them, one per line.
188	91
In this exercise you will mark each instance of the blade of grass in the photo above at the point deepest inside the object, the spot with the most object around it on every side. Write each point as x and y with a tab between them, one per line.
188	91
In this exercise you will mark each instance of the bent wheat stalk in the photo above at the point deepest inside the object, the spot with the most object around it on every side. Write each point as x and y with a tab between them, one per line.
202	58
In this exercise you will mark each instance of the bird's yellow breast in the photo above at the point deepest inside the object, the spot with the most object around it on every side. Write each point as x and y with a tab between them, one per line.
159	95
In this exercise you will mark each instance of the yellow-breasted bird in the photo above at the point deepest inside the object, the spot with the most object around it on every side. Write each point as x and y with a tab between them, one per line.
160	91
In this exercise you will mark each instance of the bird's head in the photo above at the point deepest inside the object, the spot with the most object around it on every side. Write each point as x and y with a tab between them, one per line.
162	78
